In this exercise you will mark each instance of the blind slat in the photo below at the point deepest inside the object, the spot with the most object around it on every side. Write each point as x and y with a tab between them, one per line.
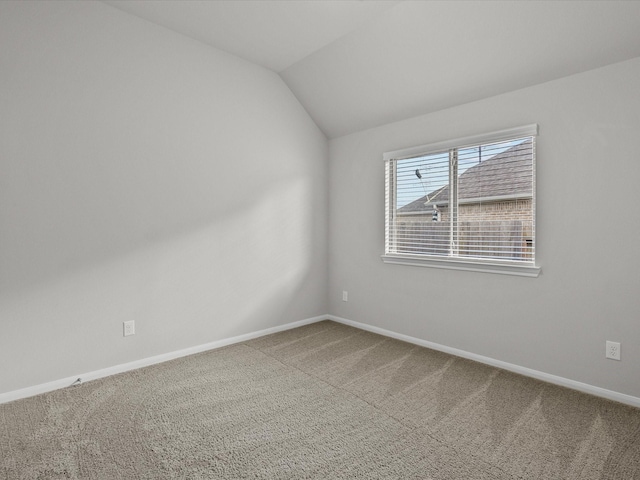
495	207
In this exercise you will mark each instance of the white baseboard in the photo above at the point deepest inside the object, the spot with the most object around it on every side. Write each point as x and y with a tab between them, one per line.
545	377
145	362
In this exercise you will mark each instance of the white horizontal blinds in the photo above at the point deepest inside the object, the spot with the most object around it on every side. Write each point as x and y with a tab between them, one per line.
420	184
389	206
486	212
495	200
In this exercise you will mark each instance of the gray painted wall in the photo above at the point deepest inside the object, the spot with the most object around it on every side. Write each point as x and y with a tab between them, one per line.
588	184
145	176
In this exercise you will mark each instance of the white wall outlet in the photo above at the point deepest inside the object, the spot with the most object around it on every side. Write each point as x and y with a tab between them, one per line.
345	296
129	328
613	350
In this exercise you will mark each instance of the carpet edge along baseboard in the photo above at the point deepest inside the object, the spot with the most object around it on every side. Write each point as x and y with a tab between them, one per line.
144	362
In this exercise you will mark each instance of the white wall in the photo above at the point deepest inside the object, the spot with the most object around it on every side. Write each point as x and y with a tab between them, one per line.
145	176
588	229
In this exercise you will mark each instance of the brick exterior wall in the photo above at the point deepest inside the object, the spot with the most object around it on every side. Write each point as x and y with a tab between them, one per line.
507	210
505	213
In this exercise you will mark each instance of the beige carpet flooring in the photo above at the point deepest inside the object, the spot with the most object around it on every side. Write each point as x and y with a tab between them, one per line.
322	401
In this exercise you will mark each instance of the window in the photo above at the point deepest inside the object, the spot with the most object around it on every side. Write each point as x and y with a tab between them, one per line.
464	204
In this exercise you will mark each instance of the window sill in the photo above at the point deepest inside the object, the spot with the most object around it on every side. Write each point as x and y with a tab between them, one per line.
503	268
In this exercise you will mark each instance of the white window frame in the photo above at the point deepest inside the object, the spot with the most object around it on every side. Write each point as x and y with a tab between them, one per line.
454	262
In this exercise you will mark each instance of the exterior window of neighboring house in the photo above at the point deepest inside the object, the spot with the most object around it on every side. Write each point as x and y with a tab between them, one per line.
465	204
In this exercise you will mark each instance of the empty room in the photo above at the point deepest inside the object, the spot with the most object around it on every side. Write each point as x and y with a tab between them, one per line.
319	239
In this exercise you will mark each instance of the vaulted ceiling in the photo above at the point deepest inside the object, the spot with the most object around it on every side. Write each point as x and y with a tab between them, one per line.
356	64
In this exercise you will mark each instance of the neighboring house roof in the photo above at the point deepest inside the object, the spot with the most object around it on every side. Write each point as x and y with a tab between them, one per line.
505	176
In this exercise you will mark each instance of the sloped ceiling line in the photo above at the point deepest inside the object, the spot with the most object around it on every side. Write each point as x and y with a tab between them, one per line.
357	64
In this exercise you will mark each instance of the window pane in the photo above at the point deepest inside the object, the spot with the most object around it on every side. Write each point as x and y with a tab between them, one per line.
492	215
420	227
495	209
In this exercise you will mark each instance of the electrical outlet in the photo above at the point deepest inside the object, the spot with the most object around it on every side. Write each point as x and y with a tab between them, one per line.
345	296
613	350
129	328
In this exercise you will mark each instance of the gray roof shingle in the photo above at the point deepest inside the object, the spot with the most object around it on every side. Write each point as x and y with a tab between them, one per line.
507	175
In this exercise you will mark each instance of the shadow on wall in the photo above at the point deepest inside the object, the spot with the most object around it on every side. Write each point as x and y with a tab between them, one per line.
66	232
235	274
249	243
117	135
